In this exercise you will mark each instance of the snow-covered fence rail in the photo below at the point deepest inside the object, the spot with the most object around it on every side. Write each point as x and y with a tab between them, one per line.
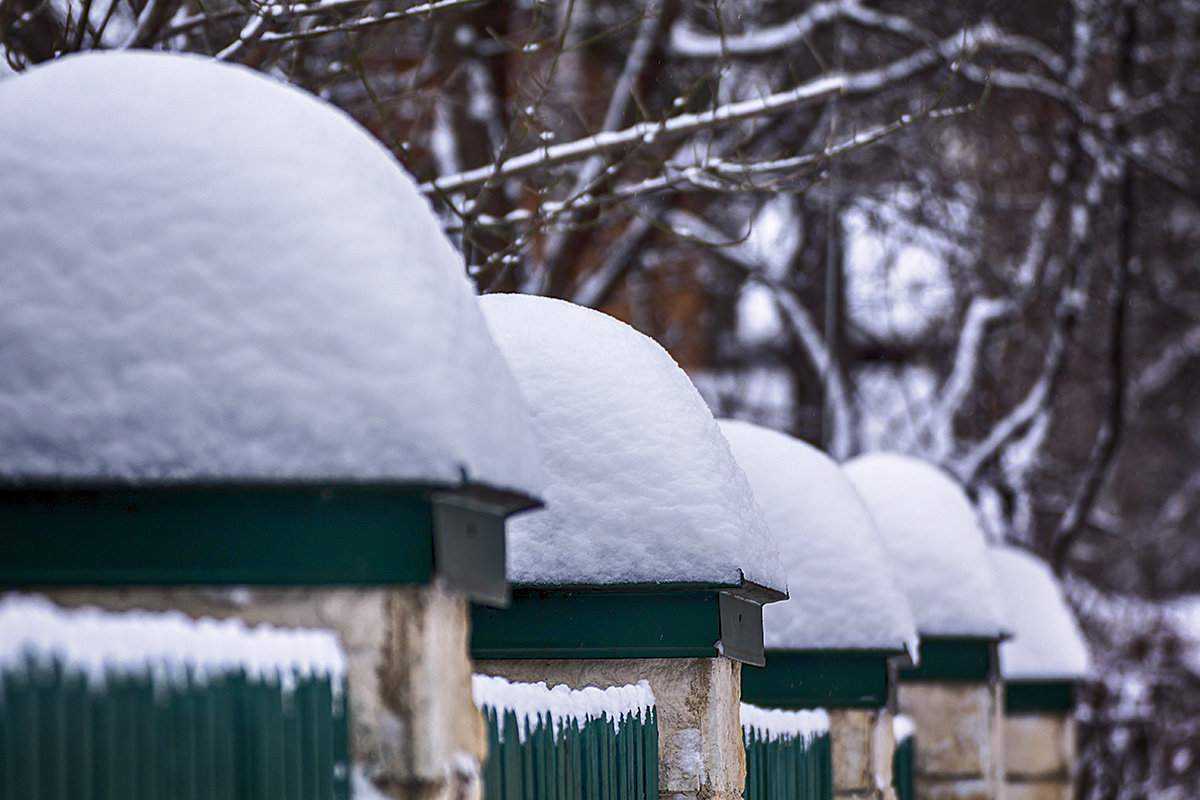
134	706
788	755
564	744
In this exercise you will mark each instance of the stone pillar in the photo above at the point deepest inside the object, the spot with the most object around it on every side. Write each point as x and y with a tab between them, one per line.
701	754
415	730
863	746
960	738
1039	756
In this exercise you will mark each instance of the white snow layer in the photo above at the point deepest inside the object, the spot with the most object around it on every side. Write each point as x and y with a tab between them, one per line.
164	646
205	273
1047	643
535	703
939	556
903	728
843	595
642	487
773	723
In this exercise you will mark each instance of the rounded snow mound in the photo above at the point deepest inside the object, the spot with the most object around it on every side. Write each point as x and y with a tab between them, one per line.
843	594
642	487
938	551
1047	643
208	274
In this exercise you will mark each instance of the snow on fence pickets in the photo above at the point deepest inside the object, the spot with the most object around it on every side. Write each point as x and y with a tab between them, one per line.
167	648
788	754
159	704
567	744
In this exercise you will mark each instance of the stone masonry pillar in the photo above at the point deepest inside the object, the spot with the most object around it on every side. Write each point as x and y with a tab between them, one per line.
1039	756
701	754
863	746
415	730
960	738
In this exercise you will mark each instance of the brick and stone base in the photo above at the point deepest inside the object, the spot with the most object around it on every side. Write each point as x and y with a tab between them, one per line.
407	671
1039	756
863	747
959	737
701	754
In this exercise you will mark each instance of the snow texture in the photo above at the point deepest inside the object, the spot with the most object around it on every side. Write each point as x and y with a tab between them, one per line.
772	723
168	647
535	703
843	595
207	274
642	486
903	728
1047	643
938	552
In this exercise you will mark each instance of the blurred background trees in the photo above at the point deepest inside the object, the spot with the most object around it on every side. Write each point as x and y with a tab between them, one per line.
967	231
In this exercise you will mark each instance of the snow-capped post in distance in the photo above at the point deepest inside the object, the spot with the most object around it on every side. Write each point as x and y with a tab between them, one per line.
940	561
239	352
836	643
1041	666
651	559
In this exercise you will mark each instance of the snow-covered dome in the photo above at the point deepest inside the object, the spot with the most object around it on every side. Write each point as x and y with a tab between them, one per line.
843	595
939	555
1047	643
208	274
642	487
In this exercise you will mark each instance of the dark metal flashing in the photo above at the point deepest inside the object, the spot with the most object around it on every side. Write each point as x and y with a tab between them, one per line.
1039	697
820	679
955	659
669	621
741	629
255	533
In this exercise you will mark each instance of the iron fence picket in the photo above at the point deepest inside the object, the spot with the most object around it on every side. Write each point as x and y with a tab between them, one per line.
788	768
903	769
597	760
137	736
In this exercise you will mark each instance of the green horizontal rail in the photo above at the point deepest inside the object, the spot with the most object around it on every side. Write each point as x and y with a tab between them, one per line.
1039	697
955	659
819	679
788	768
904	765
220	533
597	759
131	737
667	622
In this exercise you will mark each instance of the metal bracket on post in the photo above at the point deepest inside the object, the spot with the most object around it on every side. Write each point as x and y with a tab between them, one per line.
741	629
468	547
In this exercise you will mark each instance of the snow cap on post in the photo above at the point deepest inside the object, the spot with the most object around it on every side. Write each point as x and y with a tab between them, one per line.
209	275
1047	643
642	487
937	548
843	594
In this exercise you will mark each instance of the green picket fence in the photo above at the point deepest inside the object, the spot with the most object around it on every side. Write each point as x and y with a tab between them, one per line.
561	745
88	726
904	760
788	754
